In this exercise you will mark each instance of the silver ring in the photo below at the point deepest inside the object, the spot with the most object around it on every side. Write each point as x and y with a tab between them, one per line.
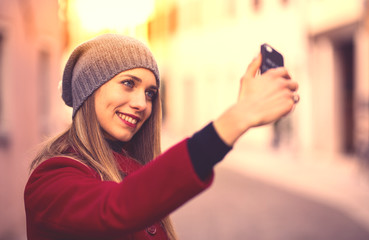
295	98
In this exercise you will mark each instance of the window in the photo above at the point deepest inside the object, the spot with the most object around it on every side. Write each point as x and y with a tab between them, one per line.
173	20
285	2
4	138
256	4
192	14
1	82
44	94
231	8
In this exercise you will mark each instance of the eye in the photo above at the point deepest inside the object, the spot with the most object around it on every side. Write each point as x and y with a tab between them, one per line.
128	83
151	94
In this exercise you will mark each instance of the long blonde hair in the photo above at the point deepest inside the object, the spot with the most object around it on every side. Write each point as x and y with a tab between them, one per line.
87	140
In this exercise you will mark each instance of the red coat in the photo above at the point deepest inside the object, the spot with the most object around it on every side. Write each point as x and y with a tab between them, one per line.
65	199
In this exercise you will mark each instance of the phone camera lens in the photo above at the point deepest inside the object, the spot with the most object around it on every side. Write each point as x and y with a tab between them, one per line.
269	49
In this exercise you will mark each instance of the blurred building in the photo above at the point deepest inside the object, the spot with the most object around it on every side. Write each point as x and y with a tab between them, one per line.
340	54
31	43
205	46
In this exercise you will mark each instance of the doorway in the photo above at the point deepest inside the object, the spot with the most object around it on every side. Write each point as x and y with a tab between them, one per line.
345	70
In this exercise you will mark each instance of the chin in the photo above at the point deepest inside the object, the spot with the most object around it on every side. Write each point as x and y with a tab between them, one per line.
124	138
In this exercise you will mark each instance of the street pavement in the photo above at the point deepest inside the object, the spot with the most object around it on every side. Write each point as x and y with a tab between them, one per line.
287	194
238	206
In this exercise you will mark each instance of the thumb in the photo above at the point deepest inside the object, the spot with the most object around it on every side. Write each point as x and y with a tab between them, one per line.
253	67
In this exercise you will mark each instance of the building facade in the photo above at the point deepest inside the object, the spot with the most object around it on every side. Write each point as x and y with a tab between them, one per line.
31	44
339	74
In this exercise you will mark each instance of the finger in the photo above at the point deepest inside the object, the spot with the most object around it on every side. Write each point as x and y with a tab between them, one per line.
253	67
279	72
278	106
290	89
293	86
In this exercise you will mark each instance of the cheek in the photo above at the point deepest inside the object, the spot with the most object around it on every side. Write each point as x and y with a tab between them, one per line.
101	110
97	108
105	103
99	104
99	113
148	111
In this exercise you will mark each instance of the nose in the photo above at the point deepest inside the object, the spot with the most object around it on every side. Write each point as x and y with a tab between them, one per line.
138	101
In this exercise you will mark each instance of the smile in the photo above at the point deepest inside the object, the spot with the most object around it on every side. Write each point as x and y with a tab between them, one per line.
130	119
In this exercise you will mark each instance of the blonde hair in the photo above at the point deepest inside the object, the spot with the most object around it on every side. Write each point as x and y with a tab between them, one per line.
84	141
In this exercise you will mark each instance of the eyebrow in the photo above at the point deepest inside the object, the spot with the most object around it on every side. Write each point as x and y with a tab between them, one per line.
138	80
132	76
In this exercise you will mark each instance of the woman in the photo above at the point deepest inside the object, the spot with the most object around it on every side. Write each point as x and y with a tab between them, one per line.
104	177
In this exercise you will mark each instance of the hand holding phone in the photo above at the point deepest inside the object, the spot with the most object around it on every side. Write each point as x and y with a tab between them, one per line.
270	58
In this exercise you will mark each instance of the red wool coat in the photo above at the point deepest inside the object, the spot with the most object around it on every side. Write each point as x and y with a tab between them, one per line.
65	199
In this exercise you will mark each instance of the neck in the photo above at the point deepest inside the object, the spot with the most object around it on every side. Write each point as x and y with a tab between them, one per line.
115	145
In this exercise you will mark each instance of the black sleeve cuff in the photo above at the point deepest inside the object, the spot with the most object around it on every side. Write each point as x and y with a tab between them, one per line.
206	149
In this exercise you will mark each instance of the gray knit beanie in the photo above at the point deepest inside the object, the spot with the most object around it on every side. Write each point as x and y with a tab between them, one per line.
98	60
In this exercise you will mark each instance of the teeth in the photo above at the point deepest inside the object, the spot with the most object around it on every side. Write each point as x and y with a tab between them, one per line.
127	118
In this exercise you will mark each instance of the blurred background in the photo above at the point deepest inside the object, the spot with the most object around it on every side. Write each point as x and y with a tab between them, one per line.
320	152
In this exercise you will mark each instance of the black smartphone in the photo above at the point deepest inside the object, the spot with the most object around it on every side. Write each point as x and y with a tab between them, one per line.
271	58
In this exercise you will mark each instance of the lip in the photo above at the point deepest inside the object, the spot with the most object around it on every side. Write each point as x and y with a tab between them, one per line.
129	119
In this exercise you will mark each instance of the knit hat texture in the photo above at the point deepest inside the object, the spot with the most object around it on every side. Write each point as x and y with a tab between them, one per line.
98	60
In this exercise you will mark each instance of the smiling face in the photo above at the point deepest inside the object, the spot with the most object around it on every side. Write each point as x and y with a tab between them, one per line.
124	103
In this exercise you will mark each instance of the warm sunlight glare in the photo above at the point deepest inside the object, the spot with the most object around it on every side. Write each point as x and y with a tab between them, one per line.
97	15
